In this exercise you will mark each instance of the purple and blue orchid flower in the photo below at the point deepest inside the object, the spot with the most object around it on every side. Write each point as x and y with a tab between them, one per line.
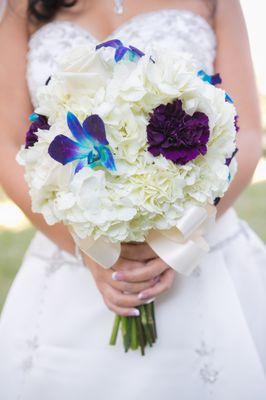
91	148
214	80
121	51
37	122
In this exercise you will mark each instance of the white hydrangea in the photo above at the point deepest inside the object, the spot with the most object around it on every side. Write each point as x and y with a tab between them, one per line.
145	192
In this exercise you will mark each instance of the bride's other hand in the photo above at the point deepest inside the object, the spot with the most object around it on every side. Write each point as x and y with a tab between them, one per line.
155	269
120	296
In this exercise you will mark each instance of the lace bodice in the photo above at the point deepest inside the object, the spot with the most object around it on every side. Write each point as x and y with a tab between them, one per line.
180	29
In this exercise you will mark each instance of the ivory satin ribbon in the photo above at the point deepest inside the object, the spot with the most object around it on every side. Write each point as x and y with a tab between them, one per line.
181	247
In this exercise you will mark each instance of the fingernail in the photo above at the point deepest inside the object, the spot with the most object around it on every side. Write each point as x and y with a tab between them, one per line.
143	296
150	300
156	279
117	275
134	313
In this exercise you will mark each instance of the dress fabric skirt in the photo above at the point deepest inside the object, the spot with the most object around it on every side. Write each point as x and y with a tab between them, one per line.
55	328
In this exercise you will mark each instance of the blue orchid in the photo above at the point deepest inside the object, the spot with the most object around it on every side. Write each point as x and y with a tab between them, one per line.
228	98
120	50
214	80
91	148
34	117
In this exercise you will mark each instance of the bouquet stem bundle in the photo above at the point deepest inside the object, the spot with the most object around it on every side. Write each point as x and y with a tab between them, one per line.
137	332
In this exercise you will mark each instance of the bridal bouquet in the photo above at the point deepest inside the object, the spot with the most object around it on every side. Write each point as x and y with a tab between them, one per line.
126	146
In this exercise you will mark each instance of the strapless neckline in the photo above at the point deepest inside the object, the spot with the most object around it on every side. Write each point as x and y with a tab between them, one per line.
135	18
179	29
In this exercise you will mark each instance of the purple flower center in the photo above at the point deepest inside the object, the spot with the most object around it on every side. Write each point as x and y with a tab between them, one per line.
40	122
176	135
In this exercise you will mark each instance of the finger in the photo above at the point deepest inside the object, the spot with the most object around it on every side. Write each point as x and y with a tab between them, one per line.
151	270
120	299
123	264
137	252
123	311
133	287
166	281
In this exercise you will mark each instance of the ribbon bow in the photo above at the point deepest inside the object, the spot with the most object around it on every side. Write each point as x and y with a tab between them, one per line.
181	247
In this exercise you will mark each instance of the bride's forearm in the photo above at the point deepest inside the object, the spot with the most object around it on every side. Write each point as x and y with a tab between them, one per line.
12	181
250	151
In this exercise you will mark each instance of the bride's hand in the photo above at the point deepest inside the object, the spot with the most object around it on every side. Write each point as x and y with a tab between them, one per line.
154	269
120	296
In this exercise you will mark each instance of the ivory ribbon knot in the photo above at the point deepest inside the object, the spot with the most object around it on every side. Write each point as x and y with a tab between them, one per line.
181	247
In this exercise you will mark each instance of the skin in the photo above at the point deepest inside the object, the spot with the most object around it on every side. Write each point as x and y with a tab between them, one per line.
138	269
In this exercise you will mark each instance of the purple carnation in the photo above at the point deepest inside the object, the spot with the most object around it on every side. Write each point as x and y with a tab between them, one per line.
40	122
176	135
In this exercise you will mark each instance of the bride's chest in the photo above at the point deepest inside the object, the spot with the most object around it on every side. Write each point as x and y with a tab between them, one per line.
178	29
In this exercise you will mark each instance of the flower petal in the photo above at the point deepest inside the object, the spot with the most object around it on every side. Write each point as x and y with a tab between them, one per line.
120	52
81	164
154	150
228	98
106	158
31	139
65	150
176	135
38	122
228	160
212	79
33	117
77	130
94	129
115	43
137	51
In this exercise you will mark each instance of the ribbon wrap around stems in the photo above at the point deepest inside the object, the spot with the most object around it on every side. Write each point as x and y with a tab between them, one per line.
181	247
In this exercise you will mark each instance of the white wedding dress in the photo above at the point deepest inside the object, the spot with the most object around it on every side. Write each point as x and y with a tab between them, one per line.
55	327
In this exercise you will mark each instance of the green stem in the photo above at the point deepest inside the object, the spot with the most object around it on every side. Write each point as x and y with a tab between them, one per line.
154	320
115	330
145	324
151	321
136	331
134	337
141	336
126	331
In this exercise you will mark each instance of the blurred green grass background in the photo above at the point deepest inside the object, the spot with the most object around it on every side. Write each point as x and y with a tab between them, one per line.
250	206
12	249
